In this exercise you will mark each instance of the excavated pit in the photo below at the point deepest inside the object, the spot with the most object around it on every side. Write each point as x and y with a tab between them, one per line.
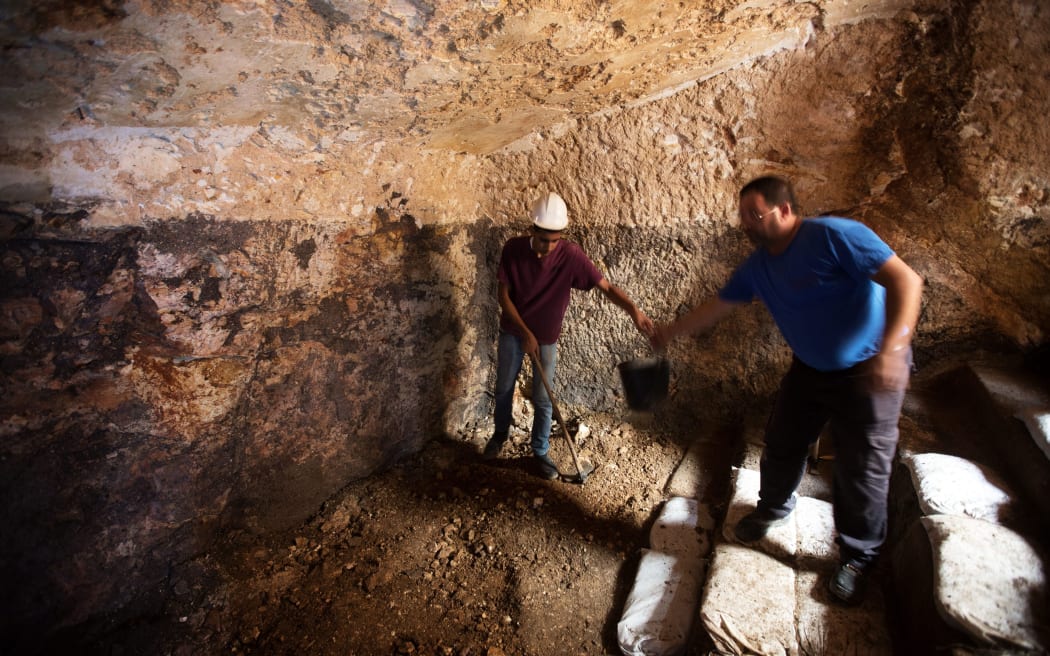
248	300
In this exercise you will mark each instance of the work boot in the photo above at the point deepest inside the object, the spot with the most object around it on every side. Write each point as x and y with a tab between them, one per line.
493	446
548	469
847	583
753	526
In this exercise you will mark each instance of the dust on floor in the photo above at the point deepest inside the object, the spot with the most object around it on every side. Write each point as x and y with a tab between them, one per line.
441	554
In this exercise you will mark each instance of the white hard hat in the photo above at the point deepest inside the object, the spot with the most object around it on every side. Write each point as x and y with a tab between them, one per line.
549	212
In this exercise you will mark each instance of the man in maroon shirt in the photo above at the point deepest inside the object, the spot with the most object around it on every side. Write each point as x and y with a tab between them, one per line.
536	276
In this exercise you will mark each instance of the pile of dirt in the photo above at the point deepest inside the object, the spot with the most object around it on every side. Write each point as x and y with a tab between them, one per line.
441	554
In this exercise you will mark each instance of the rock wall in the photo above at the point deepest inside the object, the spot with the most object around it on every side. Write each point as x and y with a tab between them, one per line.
169	381
890	138
223	301
292	325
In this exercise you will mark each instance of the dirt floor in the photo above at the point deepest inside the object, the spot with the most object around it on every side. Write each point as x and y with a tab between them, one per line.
442	554
447	554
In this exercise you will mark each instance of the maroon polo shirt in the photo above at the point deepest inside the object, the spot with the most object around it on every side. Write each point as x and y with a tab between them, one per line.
540	288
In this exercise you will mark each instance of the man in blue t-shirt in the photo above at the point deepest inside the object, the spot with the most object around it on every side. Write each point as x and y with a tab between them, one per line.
537	274
847	307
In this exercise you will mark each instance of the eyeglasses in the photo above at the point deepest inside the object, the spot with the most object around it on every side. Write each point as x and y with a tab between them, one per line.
756	218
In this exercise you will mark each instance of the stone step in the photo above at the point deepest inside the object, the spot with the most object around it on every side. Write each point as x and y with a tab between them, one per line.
771	598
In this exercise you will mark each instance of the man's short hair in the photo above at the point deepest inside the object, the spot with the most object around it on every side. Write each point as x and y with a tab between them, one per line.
775	191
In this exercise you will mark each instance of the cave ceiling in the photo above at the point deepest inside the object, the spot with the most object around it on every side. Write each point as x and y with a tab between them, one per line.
466	75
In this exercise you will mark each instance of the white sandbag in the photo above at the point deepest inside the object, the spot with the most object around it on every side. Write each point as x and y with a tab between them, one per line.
679	528
1037	421
949	485
659	611
781	541
989	582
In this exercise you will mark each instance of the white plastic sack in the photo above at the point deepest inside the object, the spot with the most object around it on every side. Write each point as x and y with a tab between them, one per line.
658	615
989	581
950	485
678	529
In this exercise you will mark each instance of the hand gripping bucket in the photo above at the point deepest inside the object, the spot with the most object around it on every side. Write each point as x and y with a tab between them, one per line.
645	381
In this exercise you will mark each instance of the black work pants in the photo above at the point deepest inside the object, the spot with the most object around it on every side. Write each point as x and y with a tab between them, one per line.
864	433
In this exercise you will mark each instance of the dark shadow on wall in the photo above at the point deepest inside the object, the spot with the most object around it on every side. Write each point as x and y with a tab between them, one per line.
84	472
368	373
472	400
107	495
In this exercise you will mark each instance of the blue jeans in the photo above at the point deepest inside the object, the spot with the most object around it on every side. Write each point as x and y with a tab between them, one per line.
509	355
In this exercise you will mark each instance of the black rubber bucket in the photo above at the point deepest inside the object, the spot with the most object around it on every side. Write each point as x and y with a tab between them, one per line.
645	381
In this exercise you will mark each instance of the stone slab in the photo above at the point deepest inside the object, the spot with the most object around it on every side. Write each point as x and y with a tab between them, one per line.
1022	396
687	479
1007	403
1013	390
1037	421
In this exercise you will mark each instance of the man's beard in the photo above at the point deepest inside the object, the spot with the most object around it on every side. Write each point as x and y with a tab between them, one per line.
756	238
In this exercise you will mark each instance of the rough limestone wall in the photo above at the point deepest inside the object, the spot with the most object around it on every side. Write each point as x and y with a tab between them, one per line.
167	380
1003	165
211	330
219	301
889	138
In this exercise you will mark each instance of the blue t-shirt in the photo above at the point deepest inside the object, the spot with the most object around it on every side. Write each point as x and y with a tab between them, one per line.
820	291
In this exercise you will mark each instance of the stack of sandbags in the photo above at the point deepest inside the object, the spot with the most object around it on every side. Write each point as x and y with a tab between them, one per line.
771	598
964	572
658	615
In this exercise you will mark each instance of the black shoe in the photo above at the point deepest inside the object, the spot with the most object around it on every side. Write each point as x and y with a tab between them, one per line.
548	469
493	446
753	526
847	584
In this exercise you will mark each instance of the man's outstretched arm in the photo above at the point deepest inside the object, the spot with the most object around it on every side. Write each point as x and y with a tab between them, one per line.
642	322
699	319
